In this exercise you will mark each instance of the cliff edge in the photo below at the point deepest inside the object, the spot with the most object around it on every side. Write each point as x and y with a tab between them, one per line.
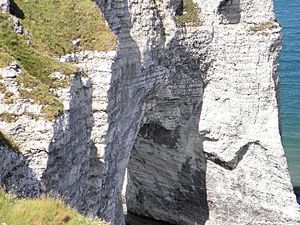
180	122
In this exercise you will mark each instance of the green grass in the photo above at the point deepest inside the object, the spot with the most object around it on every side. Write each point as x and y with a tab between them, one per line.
262	26
5	58
53	25
36	68
190	15
7	141
42	211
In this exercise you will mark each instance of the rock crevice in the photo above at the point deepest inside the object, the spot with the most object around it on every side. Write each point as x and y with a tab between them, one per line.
233	163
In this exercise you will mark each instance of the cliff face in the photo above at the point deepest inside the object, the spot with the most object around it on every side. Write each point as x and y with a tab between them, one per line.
189	111
239	119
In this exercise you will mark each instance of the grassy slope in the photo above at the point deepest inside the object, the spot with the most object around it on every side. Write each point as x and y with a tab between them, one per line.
6	140
190	15
5	58
36	66
39	212
53	26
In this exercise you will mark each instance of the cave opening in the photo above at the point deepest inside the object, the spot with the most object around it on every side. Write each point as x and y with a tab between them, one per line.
147	174
165	183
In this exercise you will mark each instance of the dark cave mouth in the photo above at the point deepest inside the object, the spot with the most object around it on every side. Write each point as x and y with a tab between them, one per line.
165	181
141	168
134	219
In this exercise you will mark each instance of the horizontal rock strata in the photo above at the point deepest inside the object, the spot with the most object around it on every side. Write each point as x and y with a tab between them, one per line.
190	112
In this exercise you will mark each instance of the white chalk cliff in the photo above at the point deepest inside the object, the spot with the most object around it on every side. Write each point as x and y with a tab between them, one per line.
191	112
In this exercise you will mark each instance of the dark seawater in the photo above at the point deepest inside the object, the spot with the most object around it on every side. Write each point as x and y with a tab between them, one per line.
288	14
133	219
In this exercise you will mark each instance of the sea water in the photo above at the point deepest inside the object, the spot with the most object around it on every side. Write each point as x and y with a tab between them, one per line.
288	14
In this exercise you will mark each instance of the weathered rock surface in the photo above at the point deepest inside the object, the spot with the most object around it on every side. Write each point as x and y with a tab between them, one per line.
65	156
5	6
16	176
11	71
246	169
191	113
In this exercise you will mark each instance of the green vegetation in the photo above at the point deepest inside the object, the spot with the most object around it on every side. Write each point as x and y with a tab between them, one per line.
5	58
6	140
8	96
36	67
190	15
262	26
55	24
52	25
8	117
40	211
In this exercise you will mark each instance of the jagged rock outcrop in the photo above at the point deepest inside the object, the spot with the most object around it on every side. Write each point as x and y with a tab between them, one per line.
191	112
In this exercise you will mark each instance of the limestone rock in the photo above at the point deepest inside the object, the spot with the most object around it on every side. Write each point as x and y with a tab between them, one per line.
16	177
5	6
19	28
11	71
190	112
75	135
76	42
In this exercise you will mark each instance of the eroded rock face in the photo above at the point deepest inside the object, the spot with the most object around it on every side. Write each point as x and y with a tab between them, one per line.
16	176
192	113
246	167
238	90
65	157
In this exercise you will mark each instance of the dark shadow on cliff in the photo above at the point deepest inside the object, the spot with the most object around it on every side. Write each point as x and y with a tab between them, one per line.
134	84
297	193
230	10
16	177
123	110
167	168
73	170
15	10
133	219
